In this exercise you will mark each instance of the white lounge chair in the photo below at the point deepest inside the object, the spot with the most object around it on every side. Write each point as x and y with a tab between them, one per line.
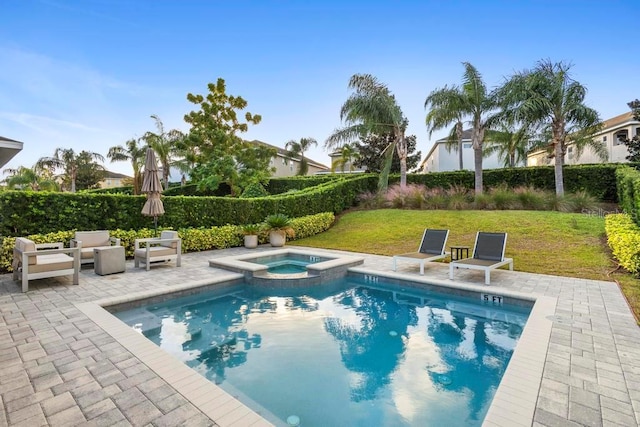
39	261
488	254
165	248
431	249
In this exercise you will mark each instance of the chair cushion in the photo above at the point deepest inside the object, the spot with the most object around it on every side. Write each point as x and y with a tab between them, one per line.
169	235
25	245
91	239
51	262
155	251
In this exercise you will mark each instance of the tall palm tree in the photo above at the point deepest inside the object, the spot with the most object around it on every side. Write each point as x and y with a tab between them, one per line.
67	160
134	153
446	108
30	178
165	145
372	110
548	96
511	145
349	154
296	150
471	102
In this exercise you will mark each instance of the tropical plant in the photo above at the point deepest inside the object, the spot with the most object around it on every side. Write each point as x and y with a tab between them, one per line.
633	144
471	102
349	154
549	97
372	110
134	153
34	178
446	107
296	150
89	172
511	145
165	144
252	229
279	223
67	160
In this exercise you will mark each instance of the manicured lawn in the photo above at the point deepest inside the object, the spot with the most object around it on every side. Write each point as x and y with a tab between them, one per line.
539	242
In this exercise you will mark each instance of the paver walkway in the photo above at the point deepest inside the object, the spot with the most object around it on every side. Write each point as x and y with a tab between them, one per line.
59	368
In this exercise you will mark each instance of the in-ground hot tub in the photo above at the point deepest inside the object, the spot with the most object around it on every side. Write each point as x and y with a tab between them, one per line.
296	267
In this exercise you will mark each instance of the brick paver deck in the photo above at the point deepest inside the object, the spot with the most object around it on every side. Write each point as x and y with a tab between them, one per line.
59	368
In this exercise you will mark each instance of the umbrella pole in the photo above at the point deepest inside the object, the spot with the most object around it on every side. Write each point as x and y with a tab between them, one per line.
155	226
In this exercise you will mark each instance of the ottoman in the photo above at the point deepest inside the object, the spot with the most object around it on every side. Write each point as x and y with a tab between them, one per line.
108	260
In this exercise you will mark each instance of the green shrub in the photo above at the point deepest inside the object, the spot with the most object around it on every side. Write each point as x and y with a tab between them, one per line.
193	239
623	237
254	189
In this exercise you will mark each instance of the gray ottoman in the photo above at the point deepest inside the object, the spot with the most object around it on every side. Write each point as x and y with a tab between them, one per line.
109	260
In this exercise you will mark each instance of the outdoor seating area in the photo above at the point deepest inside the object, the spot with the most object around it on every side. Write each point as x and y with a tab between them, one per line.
166	248
488	254
87	241
432	248
38	261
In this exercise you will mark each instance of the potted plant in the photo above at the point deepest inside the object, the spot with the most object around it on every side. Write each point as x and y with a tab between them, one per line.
251	232
279	227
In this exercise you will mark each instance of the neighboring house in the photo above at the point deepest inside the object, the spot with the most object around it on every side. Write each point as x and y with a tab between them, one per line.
113	179
346	168
8	149
440	159
285	166
612	135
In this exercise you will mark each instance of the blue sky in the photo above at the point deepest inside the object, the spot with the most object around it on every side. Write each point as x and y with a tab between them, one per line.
87	74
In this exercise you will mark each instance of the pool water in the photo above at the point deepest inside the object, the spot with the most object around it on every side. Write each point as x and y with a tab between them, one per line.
289	263
344	354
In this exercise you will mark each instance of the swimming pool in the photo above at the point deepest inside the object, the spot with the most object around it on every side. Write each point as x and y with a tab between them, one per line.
288	263
345	353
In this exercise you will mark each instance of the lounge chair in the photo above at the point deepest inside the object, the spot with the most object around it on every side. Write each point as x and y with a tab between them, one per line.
87	241
39	261
431	249
488	254
165	248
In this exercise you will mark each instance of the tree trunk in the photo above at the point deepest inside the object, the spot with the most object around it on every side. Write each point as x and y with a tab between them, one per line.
73	182
401	147
559	157
512	160
477	160
459	136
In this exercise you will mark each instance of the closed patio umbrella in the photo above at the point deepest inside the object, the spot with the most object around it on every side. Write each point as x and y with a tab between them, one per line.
152	186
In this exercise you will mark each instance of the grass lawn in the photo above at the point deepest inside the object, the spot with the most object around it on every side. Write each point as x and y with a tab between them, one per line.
541	242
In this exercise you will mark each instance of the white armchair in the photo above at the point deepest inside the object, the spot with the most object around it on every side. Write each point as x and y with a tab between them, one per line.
166	248
39	261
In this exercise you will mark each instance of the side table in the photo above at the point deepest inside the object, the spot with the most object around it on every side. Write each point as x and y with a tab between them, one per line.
458	251
109	260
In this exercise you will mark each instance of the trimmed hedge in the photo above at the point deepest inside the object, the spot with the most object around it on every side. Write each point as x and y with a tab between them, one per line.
623	237
599	180
193	239
628	180
24	213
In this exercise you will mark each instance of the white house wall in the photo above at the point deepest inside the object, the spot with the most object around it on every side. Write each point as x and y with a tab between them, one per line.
441	160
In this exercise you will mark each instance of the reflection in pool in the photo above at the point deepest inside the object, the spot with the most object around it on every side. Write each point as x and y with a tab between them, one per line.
374	356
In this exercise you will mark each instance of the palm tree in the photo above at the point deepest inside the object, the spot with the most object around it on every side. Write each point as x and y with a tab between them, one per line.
349	154
549	97
446	108
297	149
372	110
510	145
131	151
165	146
471	102
67	160
29	178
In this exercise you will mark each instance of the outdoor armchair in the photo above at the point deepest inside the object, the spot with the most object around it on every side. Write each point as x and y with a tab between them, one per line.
38	261
87	241
166	248
488	254
431	249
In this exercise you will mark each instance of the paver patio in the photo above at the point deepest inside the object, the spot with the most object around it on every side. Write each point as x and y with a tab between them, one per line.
60	368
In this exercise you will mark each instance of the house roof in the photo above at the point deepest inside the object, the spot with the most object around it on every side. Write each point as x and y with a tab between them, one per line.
109	174
8	149
617	120
284	153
